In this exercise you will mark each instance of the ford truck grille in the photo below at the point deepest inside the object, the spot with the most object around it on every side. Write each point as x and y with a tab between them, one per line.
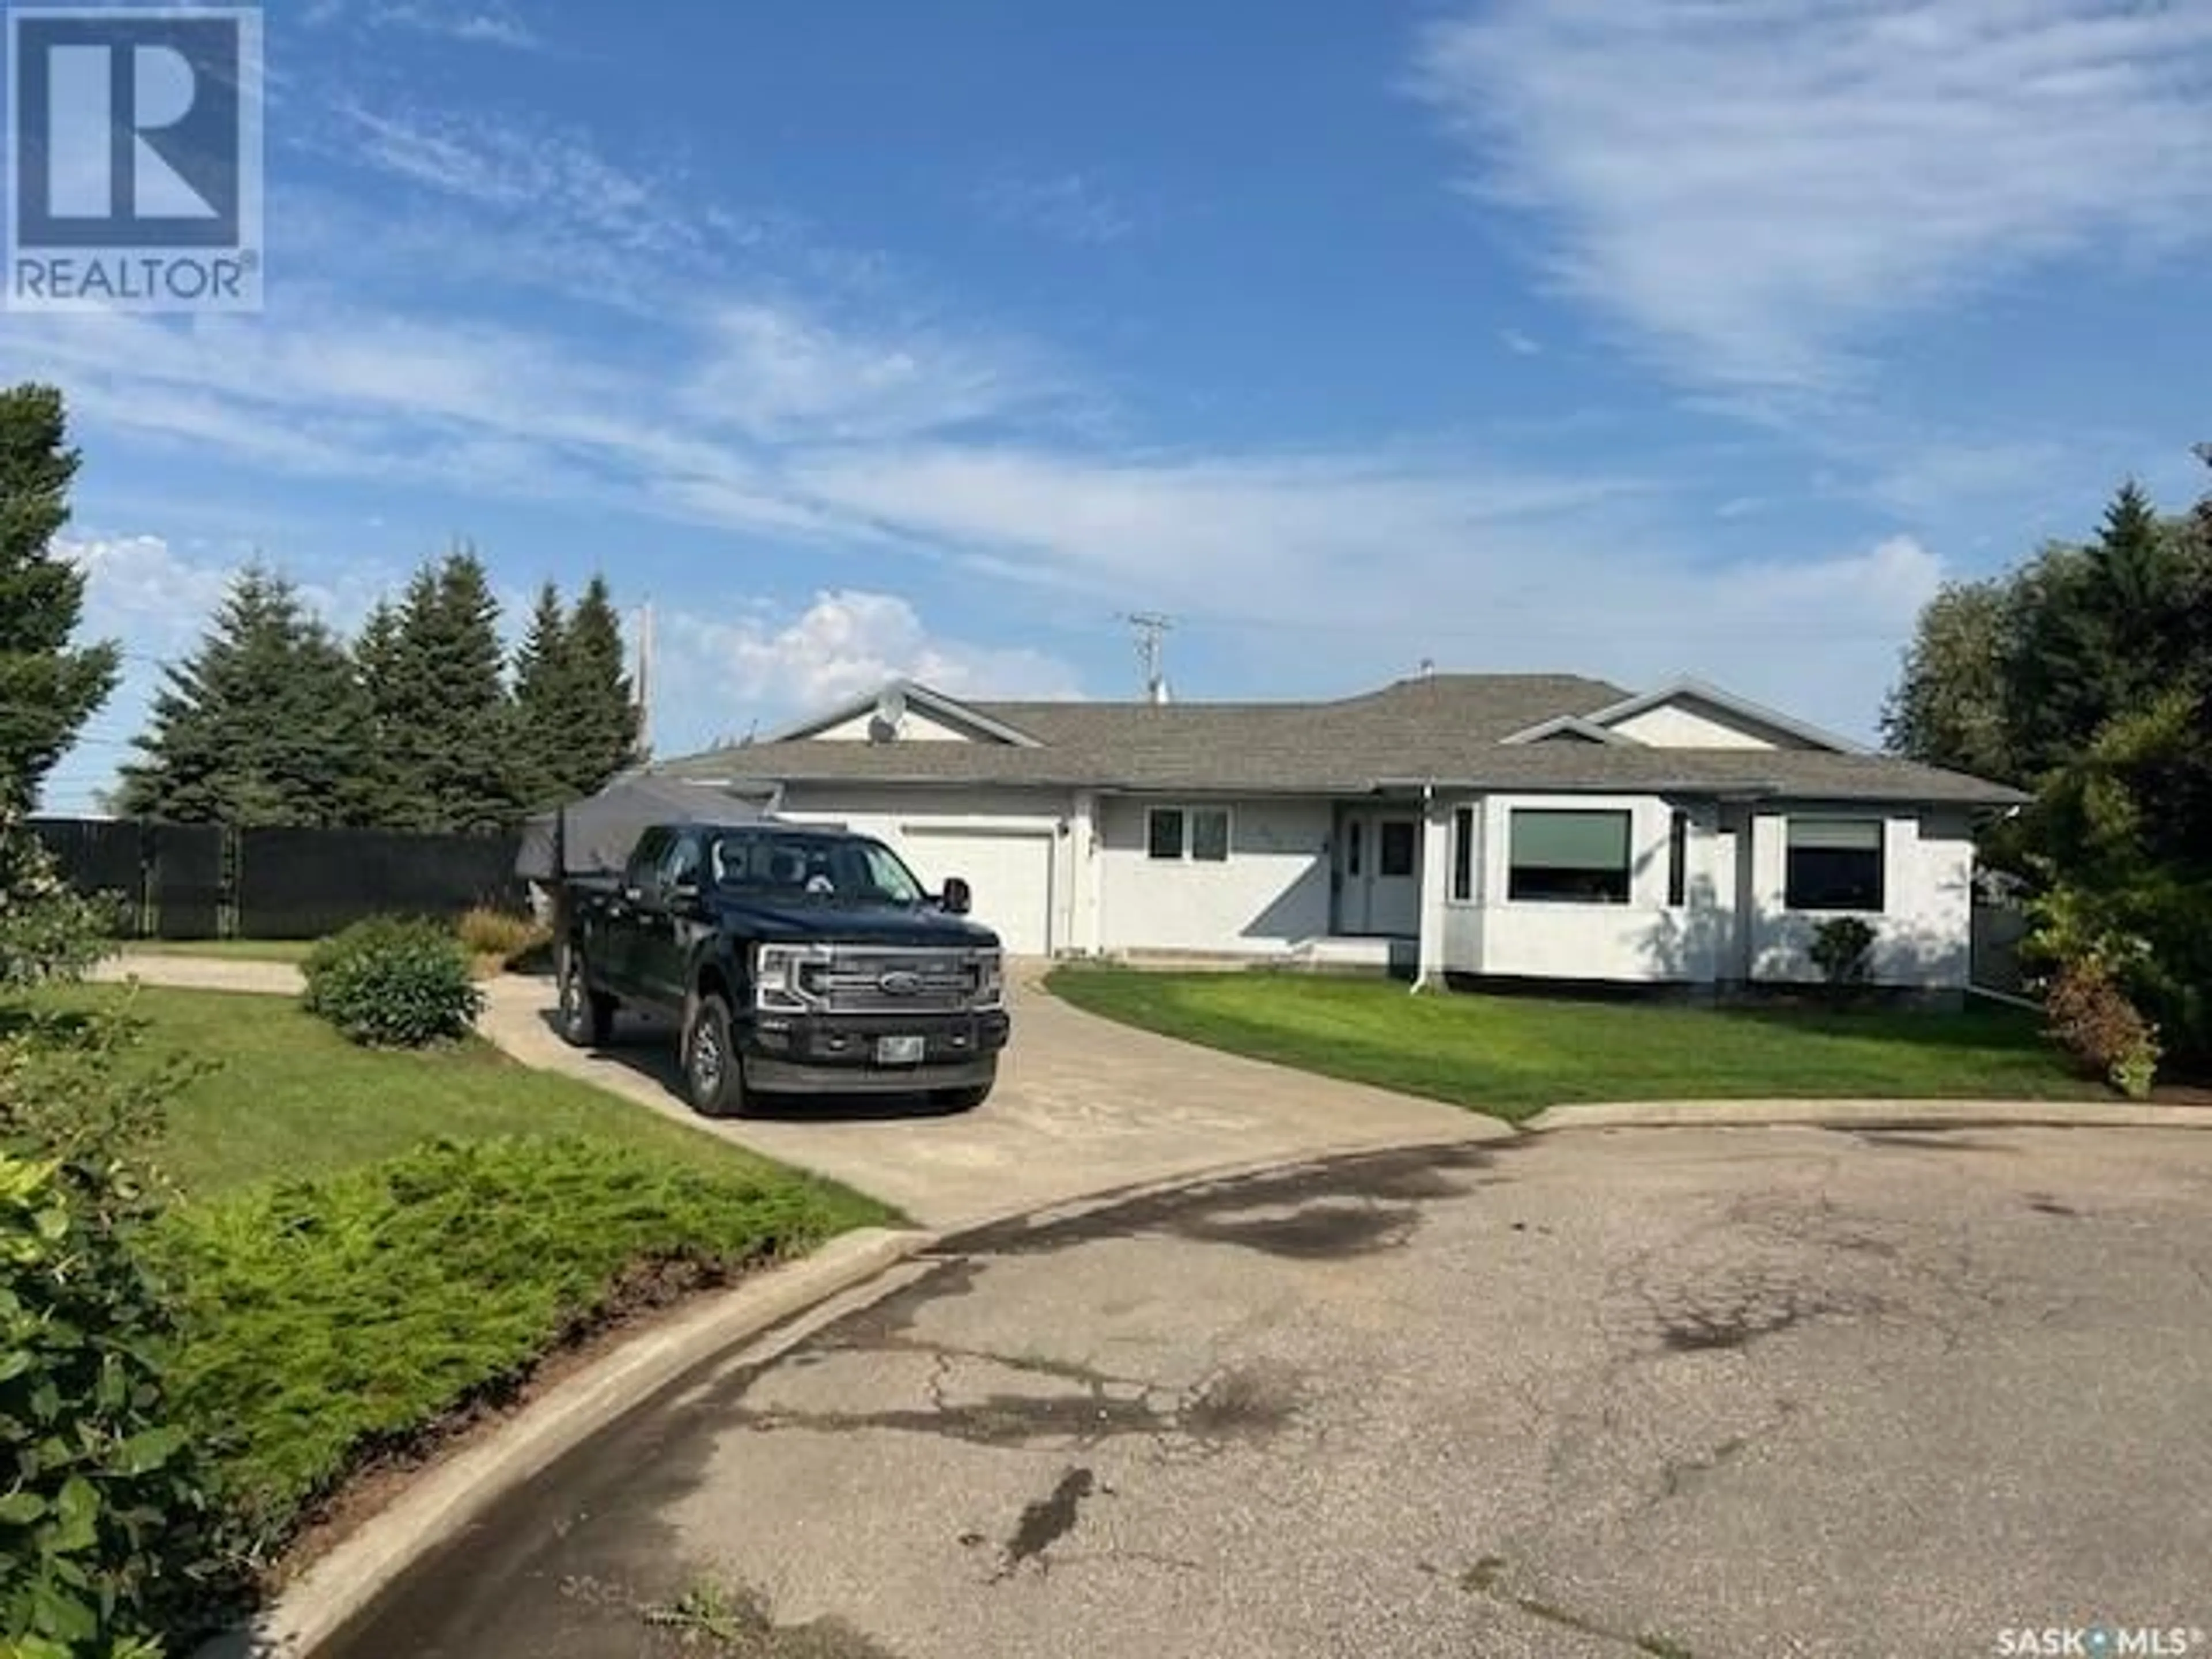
877	980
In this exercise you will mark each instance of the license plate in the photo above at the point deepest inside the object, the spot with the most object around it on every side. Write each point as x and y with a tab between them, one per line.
899	1050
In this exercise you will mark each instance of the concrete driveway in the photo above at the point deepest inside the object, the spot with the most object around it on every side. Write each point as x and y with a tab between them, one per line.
1685	1392
1083	1106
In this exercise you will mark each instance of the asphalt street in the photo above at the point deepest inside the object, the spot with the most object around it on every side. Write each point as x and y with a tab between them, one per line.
1668	1392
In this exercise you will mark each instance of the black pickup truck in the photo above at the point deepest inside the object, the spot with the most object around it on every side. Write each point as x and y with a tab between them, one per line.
796	960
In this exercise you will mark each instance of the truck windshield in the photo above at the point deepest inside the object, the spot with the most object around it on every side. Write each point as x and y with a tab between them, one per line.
846	869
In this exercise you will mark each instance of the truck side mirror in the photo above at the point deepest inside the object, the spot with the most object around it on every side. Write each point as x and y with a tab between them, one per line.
957	899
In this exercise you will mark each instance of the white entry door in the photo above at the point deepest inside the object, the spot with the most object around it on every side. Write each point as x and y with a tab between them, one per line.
1010	872
1382	870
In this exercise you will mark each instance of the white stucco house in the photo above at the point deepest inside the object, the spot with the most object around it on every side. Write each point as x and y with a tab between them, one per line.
1505	826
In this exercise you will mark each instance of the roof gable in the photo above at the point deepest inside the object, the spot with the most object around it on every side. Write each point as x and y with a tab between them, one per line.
1694	714
905	711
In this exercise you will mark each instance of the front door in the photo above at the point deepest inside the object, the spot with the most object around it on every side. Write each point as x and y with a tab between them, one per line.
1381	865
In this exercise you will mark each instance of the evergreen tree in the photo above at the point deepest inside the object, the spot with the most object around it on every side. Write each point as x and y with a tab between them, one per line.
540	746
433	669
47	688
604	700
265	724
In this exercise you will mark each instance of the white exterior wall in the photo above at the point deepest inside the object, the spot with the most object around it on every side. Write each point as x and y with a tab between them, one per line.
1641	940
1678	726
1273	891
1923	937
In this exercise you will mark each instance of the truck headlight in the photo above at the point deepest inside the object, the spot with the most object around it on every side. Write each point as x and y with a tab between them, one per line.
778	981
990	980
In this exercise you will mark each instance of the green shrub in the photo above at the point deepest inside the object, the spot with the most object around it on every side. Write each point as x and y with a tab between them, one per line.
1841	948
2091	1017
106	1537
393	983
46	932
328	1321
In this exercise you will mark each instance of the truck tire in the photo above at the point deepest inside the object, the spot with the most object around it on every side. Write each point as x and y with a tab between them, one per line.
586	1017
714	1072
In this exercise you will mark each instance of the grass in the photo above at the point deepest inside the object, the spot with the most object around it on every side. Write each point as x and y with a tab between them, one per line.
366	1243
278	1093
1511	1056
224	950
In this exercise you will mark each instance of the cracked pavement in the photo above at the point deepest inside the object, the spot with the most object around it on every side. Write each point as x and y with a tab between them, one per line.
1675	1393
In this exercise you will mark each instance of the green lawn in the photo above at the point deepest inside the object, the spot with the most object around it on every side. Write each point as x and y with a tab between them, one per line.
364	1243
1513	1056
279	1093
227	949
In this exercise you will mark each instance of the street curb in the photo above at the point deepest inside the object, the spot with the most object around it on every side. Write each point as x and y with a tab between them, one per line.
1870	1114
434	1509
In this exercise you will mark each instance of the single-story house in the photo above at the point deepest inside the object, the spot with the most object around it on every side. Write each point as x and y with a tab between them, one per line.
1513	826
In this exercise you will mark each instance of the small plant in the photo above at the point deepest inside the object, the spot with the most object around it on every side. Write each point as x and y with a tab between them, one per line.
392	983
2088	1015
106	1531
499	936
1842	948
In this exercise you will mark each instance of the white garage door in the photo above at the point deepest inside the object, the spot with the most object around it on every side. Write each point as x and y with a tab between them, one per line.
1010	873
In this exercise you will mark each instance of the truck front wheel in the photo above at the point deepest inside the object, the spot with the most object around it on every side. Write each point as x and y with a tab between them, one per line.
587	1016
713	1074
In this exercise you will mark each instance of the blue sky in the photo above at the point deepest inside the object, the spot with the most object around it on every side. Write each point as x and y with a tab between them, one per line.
1629	337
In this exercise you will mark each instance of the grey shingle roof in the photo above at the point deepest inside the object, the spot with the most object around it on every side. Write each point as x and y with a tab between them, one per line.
1445	729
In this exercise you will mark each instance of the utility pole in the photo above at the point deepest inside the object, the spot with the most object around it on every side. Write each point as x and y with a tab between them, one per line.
1151	631
644	687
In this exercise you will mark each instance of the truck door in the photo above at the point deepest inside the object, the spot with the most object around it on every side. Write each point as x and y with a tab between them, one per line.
613	943
660	941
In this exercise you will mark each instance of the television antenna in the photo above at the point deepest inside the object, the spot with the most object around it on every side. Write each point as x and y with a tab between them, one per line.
1151	629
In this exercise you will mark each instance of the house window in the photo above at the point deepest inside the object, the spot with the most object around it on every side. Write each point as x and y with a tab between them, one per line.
1209	834
1569	857
1353	845
1463	877
1393	852
1835	863
1198	833
1678	860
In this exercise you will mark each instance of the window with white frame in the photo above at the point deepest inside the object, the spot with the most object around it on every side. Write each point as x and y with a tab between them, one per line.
1200	834
1568	857
1834	864
1462	852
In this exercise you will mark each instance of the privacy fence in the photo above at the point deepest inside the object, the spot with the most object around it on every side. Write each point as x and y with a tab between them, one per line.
195	881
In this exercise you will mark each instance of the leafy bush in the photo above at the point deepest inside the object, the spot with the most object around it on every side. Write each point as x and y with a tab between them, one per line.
392	983
500	935
1841	948
328	1320
106	1537
46	932
2091	1017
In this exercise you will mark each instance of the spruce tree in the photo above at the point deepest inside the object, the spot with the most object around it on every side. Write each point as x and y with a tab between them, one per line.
434	673
539	743
605	702
265	724
48	688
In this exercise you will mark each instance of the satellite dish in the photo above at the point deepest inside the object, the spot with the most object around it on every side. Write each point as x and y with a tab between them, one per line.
890	714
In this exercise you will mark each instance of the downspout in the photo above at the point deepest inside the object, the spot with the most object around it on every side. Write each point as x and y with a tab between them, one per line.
1426	981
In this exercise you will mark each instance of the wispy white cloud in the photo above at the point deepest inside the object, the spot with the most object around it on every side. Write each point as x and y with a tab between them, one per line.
843	643
1069	207
1756	189
472	22
1520	345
